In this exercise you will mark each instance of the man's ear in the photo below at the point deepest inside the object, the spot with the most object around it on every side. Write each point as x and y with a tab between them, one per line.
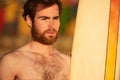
28	21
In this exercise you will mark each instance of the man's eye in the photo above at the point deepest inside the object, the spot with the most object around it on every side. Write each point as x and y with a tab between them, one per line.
56	18
44	18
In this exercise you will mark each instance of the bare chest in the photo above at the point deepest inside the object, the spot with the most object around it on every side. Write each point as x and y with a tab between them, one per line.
41	68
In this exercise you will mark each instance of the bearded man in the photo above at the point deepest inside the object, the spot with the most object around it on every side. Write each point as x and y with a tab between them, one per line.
38	60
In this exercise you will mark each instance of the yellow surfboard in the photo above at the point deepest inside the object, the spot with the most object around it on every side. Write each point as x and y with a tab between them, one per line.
92	39
112	44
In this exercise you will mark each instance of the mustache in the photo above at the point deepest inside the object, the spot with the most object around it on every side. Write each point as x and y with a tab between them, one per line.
50	30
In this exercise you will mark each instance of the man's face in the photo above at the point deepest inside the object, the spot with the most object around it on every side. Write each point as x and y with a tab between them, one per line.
46	25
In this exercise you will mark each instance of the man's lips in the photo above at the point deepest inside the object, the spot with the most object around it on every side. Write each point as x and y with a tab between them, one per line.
51	32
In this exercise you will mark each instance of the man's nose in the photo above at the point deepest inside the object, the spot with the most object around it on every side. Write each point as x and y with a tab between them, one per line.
51	23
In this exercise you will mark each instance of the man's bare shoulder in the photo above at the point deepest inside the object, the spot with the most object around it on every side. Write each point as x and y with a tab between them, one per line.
8	65
8	57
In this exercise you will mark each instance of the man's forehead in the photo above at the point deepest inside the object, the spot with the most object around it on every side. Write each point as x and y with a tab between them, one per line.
42	6
50	11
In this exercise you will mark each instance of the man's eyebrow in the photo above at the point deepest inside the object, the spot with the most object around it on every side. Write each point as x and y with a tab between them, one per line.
56	17
43	17
48	17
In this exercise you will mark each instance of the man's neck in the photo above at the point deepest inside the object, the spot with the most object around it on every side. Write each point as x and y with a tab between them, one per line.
41	48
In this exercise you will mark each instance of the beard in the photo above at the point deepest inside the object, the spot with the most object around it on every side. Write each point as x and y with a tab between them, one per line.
42	38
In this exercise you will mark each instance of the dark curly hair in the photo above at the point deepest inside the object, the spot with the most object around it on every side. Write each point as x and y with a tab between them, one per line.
31	5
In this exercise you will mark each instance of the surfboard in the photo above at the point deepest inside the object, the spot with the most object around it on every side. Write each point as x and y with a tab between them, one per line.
112	41
92	38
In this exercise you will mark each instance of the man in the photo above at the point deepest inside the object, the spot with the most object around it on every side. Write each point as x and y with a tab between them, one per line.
38	60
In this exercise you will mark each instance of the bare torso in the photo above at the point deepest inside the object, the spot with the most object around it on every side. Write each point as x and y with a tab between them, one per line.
33	66
36	62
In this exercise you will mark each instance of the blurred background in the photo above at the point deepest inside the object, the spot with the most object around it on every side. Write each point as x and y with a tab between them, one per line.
15	33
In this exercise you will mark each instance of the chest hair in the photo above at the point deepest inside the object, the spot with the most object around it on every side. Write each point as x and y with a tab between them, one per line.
51	68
